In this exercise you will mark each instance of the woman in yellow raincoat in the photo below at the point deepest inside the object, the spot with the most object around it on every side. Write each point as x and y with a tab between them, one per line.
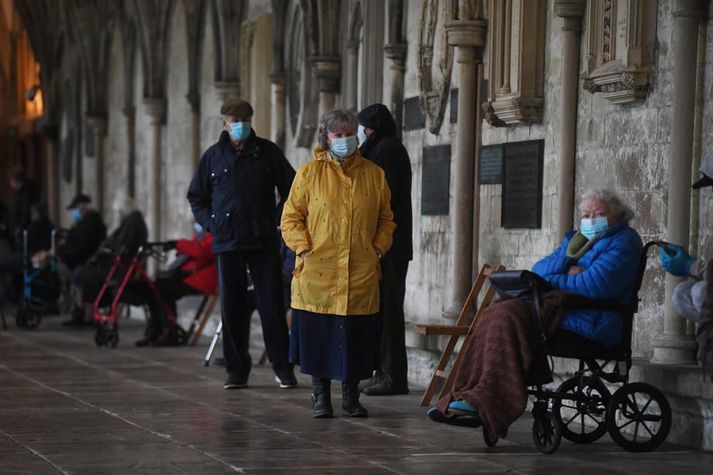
339	222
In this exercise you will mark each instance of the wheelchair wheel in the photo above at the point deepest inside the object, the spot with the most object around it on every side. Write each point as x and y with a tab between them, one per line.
638	417
490	439
582	418
27	318
546	432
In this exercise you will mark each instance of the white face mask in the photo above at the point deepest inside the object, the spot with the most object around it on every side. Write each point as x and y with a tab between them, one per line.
361	135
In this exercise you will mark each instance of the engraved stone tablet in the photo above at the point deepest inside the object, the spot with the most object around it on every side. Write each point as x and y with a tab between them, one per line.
491	165
436	180
413	115
522	185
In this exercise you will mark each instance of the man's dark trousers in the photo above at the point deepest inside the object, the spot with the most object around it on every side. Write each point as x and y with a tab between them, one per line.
266	275
393	338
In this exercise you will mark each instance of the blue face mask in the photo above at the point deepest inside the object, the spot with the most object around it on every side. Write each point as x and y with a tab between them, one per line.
76	215
198	228
344	146
592	228
239	131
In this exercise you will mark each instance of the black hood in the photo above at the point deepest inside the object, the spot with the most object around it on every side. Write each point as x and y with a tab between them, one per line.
379	118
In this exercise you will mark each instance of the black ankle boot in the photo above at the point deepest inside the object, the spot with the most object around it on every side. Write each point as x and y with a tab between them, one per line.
321	398
350	401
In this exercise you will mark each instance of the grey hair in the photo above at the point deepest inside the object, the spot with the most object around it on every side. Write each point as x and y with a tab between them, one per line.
618	207
123	203
333	120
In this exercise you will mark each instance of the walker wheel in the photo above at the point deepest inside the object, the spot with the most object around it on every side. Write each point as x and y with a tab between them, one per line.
546	433
107	336
490	439
638	417
27	318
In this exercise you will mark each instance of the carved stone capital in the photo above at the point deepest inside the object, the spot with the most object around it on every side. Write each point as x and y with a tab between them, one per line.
515	110
620	85
570	8
327	70
156	109
467	33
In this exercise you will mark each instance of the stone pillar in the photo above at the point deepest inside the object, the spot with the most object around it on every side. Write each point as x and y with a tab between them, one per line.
351	69
130	115
327	70
52	177
156	110
674	346
571	12
195	102
468	37
279	107
396	53
475	269
98	125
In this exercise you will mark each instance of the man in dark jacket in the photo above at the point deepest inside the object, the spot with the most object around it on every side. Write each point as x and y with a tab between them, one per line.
377	132
24	195
233	197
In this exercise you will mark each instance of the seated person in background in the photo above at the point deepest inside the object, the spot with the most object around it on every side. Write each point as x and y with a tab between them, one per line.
193	273
39	238
130	234
600	262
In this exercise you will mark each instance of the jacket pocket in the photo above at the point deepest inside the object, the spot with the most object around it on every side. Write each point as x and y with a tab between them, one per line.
221	226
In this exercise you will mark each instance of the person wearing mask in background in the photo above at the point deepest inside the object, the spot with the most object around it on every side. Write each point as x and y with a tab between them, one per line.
693	298
232	196
381	145
24	195
82	241
130	234
338	220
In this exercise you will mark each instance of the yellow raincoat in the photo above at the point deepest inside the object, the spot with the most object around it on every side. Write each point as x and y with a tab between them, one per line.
338	215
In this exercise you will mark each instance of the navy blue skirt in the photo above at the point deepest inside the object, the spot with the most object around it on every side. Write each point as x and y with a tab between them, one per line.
333	346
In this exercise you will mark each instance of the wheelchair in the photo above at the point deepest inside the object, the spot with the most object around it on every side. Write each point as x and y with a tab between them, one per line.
41	287
637	415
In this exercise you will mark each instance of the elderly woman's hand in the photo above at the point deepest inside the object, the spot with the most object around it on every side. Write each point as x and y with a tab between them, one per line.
574	270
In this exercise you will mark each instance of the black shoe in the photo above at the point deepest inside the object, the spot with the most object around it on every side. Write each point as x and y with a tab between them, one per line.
285	377
368	382
385	387
321	399
235	381
350	401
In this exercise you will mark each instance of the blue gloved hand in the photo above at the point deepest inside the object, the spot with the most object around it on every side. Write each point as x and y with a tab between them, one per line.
675	260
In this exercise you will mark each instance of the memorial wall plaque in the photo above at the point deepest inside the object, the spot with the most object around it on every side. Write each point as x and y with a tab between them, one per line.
413	115
522	184
436	180
491	165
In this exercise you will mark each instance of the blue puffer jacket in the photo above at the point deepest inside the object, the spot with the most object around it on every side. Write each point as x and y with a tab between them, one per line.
611	267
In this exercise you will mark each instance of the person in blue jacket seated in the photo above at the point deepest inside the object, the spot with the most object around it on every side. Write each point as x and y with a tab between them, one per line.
599	261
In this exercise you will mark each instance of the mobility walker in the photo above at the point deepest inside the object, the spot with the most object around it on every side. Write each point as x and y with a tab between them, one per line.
582	409
133	266
41	287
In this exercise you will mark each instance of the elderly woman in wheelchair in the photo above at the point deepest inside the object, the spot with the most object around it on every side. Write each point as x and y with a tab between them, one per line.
577	303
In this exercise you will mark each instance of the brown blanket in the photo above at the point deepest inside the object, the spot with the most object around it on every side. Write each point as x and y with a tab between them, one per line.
498	355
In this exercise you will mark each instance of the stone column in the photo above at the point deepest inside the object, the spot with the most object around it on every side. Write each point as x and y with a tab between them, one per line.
52	177
130	114
674	346
98	125
327	70
475	269
351	69
156	110
396	53
194	100
468	37
279	107
571	12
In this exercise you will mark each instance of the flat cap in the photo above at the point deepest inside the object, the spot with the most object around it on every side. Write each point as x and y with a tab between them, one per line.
80	198
236	108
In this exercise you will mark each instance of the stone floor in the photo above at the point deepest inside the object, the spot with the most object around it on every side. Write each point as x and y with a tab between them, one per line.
70	407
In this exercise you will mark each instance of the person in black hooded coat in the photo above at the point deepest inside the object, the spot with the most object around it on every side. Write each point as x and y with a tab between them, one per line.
381	145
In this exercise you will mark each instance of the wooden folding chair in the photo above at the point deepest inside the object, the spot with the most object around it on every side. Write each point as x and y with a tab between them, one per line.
464	325
202	316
